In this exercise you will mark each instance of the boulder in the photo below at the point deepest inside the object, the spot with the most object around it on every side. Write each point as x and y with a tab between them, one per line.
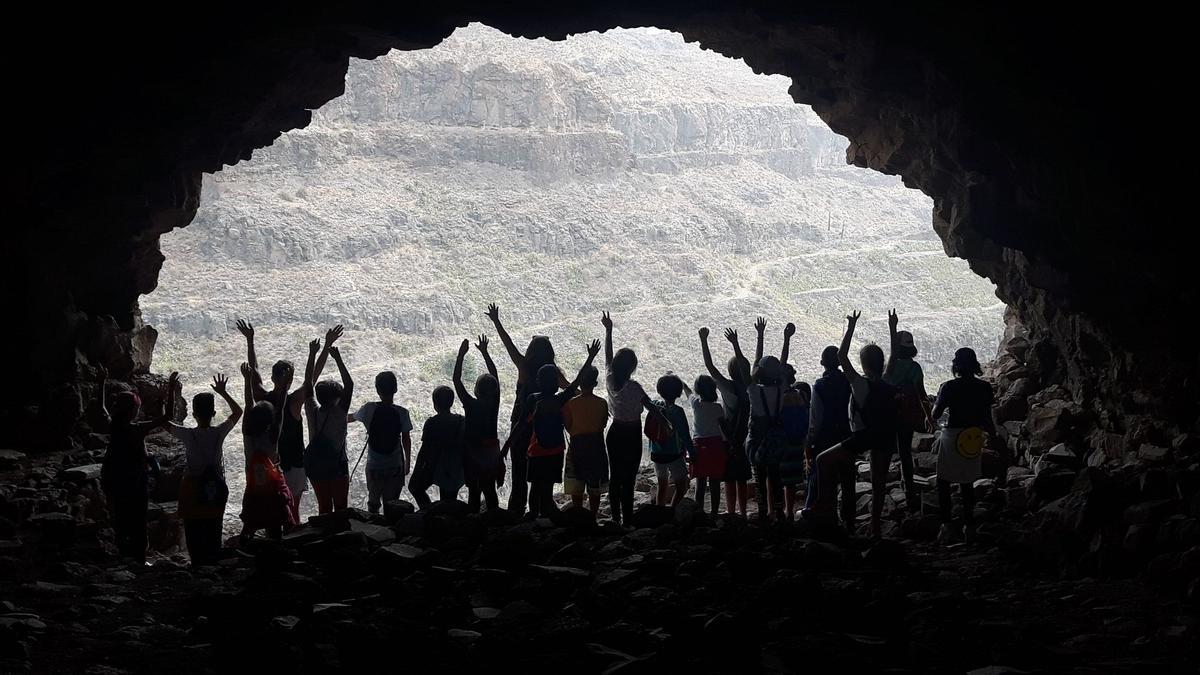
1153	454
651	515
821	555
686	513
396	509
1058	456
11	459
376	533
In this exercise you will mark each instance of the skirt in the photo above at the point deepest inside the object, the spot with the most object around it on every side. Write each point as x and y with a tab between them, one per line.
589	460
960	454
481	462
544	469
712	456
737	468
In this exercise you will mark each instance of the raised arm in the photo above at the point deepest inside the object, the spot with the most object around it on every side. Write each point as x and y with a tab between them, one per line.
708	362
518	359
247	331
761	327
482	346
248	377
844	349
593	349
606	321
463	394
347	381
732	336
788	331
331	336
220	385
893	321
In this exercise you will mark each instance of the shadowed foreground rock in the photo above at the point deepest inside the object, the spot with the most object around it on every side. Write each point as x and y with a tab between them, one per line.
443	588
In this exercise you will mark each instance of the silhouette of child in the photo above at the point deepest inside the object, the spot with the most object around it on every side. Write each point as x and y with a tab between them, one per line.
203	492
482	467
440	459
709	433
325	459
389	442
266	504
670	456
586	467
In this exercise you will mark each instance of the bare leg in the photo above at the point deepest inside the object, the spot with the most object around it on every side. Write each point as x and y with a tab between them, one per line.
879	469
594	501
730	497
681	488
743	495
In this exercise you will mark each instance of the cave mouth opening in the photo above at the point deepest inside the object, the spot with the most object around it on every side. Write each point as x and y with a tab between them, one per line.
626	171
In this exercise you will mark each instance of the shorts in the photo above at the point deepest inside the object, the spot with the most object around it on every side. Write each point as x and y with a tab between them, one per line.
675	470
574	486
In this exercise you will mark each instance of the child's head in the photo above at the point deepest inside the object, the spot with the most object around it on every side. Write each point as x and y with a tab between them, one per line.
385	385
282	373
328	392
706	388
789	374
906	348
829	358
965	363
624	362
204	407
443	399
547	379
539	352
259	418
487	388
125	406
805	392
871	359
669	387
769	371
588	378
739	370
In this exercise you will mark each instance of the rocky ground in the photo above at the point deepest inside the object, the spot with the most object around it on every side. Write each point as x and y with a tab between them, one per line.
681	591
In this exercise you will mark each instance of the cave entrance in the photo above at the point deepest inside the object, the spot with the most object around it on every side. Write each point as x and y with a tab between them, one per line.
625	170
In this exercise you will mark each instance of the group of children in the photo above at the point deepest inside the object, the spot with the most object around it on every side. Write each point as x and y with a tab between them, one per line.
747	423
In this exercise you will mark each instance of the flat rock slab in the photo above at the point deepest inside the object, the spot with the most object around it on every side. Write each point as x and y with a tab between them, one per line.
376	533
82	473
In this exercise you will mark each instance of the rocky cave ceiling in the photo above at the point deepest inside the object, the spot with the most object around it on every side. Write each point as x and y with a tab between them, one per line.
1025	124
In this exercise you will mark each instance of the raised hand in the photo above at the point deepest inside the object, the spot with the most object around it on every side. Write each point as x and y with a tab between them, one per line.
852	318
704	334
760	325
493	312
606	321
313	346
101	373
731	335
789	330
219	383
893	319
246	329
332	335
247	371
336	354
482	345
593	349
464	348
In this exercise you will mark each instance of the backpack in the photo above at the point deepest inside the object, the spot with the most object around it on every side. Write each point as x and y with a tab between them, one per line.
383	434
769	447
321	460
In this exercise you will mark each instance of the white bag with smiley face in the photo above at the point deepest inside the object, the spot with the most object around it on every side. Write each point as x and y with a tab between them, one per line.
960	454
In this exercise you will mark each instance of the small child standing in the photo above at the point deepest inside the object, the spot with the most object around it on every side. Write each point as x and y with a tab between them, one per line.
203	492
709	436
389	443
585	418
267	501
124	472
670	462
794	416
439	461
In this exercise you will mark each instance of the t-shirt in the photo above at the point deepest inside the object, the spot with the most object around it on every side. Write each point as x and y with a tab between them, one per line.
732	396
375	460
262	444
969	400
706	418
765	400
680	441
585	414
546	418
905	373
202	446
480	420
442	446
328	421
625	403
829	420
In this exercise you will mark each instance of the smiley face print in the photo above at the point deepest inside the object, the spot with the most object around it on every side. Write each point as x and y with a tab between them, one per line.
970	442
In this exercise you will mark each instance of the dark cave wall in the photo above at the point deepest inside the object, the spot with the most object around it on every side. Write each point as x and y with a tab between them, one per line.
1004	115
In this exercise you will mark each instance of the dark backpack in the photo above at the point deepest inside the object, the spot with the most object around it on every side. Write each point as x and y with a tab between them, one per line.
881	412
383	434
